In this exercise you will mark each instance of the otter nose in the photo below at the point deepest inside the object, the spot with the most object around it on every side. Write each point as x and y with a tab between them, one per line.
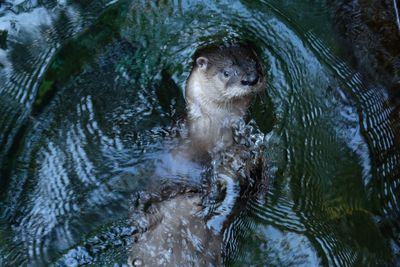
251	79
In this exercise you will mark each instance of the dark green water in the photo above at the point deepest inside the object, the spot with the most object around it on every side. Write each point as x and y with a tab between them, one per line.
88	94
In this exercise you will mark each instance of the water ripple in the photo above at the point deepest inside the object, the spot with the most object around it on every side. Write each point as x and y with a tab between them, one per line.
102	137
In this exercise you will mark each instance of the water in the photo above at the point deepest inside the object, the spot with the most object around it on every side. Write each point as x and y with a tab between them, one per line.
89	97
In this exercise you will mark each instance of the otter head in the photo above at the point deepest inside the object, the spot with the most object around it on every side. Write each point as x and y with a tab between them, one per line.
224	77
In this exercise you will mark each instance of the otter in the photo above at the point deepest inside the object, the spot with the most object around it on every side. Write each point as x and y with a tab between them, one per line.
183	224
218	92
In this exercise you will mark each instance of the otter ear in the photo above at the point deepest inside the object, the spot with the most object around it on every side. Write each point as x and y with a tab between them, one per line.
202	63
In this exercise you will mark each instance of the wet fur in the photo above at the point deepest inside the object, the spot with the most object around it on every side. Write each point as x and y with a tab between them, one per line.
213	104
183	225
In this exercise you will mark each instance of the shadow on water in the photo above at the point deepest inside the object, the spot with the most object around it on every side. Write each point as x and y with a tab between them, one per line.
89	97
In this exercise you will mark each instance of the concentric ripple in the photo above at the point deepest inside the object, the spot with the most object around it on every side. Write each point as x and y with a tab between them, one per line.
87	115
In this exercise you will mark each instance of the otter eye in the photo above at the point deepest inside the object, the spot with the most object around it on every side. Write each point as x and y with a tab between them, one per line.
226	74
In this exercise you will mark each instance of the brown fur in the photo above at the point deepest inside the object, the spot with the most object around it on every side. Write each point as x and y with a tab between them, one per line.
182	228
215	103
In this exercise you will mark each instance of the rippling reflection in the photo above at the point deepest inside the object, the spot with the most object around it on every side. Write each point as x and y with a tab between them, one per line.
86	123
34	33
84	166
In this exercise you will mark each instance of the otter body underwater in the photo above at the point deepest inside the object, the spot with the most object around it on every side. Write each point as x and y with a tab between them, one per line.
183	224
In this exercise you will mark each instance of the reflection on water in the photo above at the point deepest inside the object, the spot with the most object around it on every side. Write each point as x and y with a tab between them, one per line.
88	98
371	38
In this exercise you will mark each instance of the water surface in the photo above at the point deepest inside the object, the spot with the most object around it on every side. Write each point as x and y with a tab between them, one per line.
88	99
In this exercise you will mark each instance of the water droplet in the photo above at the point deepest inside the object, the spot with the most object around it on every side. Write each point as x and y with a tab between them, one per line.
137	262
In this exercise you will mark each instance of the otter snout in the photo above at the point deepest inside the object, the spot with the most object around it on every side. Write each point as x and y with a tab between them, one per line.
250	79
